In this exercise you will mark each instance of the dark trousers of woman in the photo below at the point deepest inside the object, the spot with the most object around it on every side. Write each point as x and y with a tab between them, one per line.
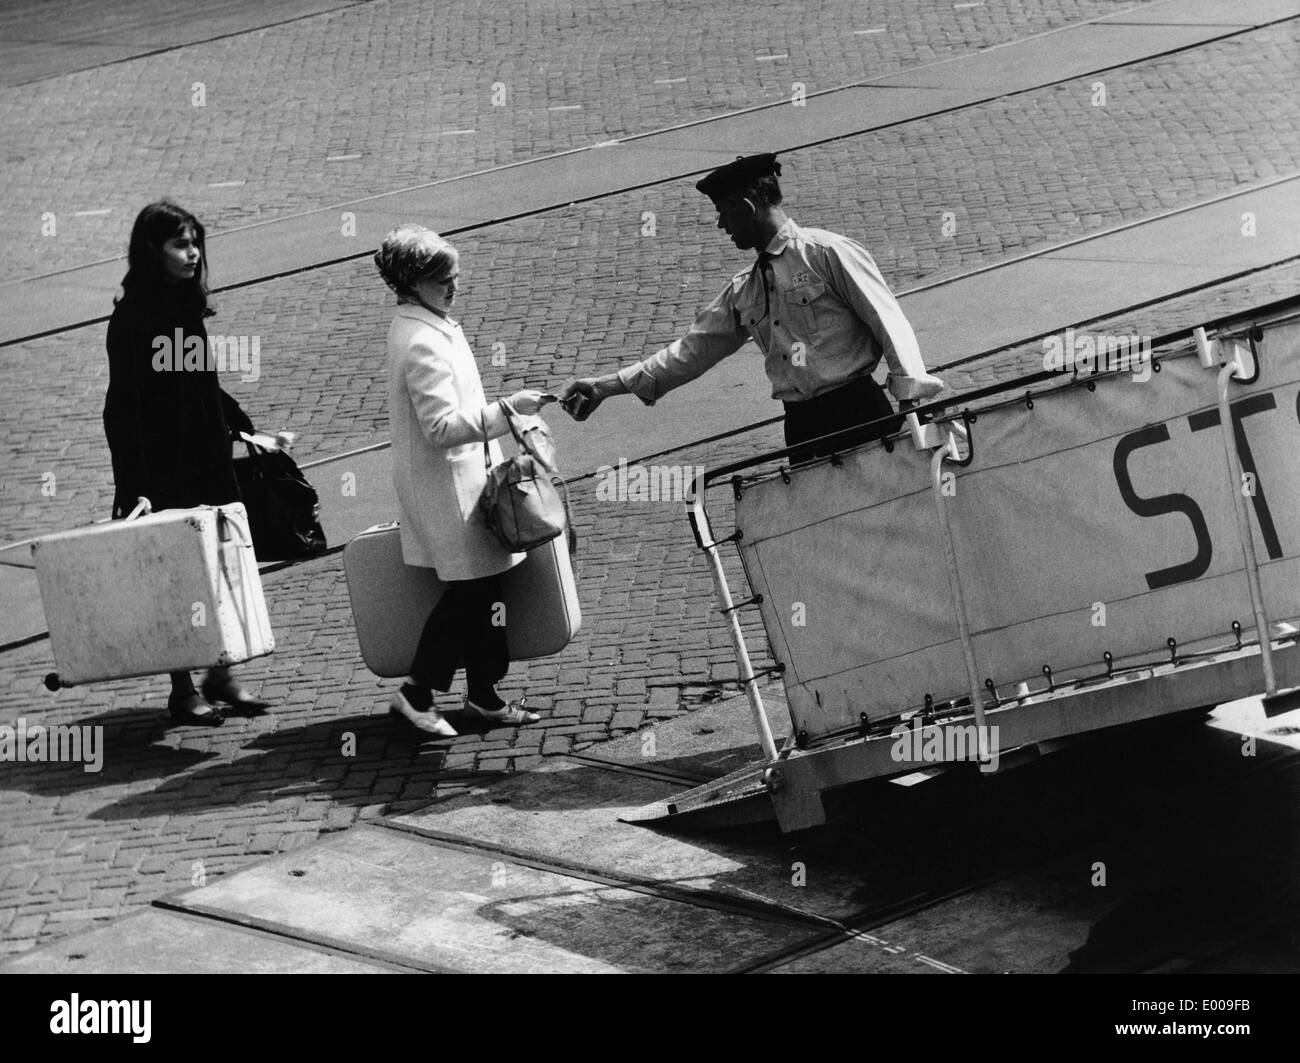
854	403
460	633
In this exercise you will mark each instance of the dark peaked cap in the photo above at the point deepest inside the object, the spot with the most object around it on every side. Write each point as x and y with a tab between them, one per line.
739	175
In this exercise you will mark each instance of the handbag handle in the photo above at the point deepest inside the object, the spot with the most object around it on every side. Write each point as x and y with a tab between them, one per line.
510	415
254	452
521	438
487	454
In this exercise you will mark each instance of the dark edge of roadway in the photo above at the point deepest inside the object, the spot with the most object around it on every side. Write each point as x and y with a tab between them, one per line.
190	915
756	908
181	44
858	926
504	219
316	942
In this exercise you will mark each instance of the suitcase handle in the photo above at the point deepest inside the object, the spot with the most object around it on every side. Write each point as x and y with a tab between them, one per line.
224	527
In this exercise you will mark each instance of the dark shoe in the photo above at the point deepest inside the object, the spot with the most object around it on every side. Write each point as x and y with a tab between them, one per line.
224	689
183	708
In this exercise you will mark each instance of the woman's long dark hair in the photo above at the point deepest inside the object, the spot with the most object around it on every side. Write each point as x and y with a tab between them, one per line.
146	276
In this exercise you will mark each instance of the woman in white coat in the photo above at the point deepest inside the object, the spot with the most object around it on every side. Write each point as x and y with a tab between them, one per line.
438	415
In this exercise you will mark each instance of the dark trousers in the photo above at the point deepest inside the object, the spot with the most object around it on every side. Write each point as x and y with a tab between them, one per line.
859	401
460	633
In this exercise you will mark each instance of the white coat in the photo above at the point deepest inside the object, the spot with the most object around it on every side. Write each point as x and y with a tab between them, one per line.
435	408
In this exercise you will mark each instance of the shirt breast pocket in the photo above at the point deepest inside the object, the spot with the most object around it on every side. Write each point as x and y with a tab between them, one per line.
801	309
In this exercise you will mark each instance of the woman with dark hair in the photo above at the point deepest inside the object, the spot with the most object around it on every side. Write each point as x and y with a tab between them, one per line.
168	422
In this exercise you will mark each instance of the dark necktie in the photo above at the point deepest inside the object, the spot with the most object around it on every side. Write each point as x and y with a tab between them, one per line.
763	259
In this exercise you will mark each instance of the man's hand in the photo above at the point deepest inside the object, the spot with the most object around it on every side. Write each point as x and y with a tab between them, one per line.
581	397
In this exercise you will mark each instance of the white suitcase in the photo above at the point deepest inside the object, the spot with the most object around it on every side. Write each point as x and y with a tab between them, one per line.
392	600
166	592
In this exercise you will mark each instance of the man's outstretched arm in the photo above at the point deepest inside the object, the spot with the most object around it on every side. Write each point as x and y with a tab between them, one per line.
715	333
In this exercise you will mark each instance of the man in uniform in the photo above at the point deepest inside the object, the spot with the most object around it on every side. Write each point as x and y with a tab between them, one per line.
814	302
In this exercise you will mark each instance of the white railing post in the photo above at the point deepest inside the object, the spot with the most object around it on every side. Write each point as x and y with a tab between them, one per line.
704	534
1234	367
947	450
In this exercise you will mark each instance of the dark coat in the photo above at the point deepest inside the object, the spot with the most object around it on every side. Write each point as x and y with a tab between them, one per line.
168	429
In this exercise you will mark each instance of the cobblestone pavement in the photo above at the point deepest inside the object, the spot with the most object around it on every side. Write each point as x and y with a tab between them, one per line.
568	290
379	96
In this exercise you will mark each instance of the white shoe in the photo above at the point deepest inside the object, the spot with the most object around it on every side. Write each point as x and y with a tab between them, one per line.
512	713
430	722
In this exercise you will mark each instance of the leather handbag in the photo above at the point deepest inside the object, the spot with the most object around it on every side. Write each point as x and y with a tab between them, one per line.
283	508
523	503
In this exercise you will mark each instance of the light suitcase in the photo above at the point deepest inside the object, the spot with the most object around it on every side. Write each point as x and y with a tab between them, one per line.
166	592
392	600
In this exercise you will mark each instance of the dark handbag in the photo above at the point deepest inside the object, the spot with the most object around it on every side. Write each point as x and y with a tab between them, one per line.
283	508
523	503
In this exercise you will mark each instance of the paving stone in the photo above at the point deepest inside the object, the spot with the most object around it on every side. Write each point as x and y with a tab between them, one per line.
626	718
25	926
556	744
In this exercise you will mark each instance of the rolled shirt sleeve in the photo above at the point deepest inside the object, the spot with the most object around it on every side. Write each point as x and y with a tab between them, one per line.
854	277
715	334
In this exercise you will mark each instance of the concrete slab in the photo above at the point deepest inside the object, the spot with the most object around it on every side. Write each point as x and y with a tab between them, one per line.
1061	55
844	112
1103	275
712	741
382	892
570	815
1206	13
160	942
1203	243
38	47
356	492
862	954
1028	924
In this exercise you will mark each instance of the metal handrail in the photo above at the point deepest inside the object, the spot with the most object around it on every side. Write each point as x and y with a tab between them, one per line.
704	539
1235	369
